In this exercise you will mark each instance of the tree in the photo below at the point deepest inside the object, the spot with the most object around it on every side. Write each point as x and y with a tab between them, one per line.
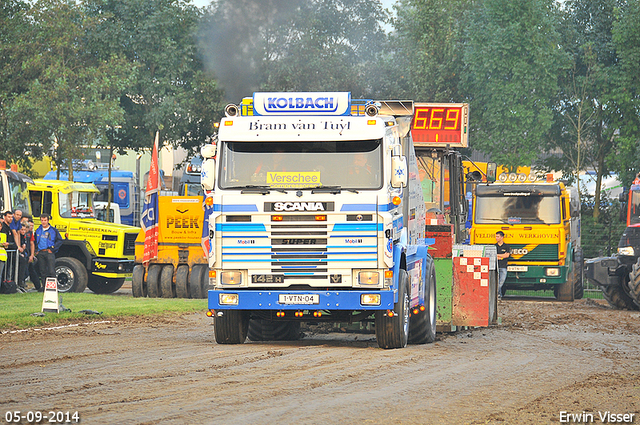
428	49
512	62
73	97
293	45
626	38
169	93
589	108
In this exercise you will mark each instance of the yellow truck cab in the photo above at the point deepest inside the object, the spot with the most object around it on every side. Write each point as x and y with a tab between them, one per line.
541	223
94	254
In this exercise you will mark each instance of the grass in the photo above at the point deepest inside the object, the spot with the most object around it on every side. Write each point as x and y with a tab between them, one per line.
16	309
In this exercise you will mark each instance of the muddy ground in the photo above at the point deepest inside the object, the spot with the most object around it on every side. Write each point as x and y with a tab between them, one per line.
543	359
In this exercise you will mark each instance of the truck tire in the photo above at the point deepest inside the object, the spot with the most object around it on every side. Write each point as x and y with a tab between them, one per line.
230	326
393	332
195	281
137	281
578	269
269	330
104	285
618	298
71	274
204	283
634	283
153	280
565	291
422	326
167	290
182	281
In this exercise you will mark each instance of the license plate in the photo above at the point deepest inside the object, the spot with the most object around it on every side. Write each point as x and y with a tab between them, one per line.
517	268
299	299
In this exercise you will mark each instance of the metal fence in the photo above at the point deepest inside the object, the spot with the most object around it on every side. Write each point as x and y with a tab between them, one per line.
10	270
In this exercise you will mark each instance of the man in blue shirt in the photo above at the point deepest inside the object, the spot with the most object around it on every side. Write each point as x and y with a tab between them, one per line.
48	241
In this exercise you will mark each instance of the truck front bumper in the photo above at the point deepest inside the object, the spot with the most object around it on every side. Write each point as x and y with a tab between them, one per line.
536	275
112	267
310	300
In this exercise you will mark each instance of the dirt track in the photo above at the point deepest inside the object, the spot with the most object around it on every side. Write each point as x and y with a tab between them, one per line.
545	357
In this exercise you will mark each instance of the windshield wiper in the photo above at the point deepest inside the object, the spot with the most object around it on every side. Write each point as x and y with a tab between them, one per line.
329	189
264	189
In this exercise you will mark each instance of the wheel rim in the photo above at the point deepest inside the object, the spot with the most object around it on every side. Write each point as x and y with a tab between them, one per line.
65	277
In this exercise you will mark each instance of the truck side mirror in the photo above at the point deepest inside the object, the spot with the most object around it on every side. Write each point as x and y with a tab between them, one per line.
207	174
492	169
208	151
399	171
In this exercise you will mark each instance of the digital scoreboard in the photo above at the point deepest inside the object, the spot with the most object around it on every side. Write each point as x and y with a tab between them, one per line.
440	124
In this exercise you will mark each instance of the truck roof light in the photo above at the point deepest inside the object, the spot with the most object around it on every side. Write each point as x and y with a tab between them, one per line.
372	122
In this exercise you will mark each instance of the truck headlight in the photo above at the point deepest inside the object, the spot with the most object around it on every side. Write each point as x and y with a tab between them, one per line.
231	278
552	271
627	250
228	299
368	278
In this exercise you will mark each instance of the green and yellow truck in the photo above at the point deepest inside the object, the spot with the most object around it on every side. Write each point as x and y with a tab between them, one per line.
94	254
541	223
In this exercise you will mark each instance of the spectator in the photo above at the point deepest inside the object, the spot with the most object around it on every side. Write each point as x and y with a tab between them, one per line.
16	225
34	275
6	239
23	257
47	243
504	251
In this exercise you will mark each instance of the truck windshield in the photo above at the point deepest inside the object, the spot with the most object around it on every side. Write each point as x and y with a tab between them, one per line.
517	209
76	205
19	196
343	164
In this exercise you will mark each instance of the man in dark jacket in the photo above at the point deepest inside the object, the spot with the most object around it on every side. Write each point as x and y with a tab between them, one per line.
48	241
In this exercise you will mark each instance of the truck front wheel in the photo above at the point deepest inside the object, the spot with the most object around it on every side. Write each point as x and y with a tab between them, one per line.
230	326
617	297
393	331
634	283
104	285
422	326
71	274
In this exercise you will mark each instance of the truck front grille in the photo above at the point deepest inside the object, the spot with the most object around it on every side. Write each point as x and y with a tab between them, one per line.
300	249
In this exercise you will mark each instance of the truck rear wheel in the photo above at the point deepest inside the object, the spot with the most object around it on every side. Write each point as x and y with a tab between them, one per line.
182	281
204	283
137	281
167	289
71	274
393	332
422	326
195	281
230	326
153	280
634	283
104	285
269	330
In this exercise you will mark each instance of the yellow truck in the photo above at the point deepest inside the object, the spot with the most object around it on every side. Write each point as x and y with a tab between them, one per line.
541	223
94	254
180	270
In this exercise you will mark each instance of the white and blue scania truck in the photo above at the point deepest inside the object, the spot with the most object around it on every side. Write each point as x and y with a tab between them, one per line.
316	213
